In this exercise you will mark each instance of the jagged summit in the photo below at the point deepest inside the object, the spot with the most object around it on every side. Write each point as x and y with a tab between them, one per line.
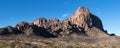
81	23
82	10
83	18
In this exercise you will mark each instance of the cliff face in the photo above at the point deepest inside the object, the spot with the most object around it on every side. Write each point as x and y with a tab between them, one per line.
83	18
81	23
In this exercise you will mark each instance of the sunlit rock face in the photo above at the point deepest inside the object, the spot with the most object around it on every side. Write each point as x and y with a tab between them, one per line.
39	21
83	18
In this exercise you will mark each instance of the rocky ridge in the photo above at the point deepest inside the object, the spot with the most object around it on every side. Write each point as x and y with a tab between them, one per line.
81	23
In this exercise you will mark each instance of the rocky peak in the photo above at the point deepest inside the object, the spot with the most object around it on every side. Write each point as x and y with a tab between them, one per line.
82	11
39	21
83	18
53	20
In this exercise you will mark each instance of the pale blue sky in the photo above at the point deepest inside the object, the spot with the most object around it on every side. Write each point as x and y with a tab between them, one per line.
15	11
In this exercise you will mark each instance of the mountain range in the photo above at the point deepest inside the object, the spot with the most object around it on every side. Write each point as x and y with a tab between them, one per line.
82	27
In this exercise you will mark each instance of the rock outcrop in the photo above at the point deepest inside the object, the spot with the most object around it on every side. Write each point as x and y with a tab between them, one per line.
31	29
39	21
83	18
8	30
60	28
91	24
81	23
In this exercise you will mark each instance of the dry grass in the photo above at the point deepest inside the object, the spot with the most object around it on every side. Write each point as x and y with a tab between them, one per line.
65	42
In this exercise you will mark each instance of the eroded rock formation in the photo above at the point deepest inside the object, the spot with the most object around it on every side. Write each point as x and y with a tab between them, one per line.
81	23
83	18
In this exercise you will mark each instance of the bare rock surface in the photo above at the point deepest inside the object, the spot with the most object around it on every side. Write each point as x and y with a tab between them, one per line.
83	18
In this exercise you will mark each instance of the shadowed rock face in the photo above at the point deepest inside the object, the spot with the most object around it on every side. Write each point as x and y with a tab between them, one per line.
7	30
96	22
31	29
82	23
